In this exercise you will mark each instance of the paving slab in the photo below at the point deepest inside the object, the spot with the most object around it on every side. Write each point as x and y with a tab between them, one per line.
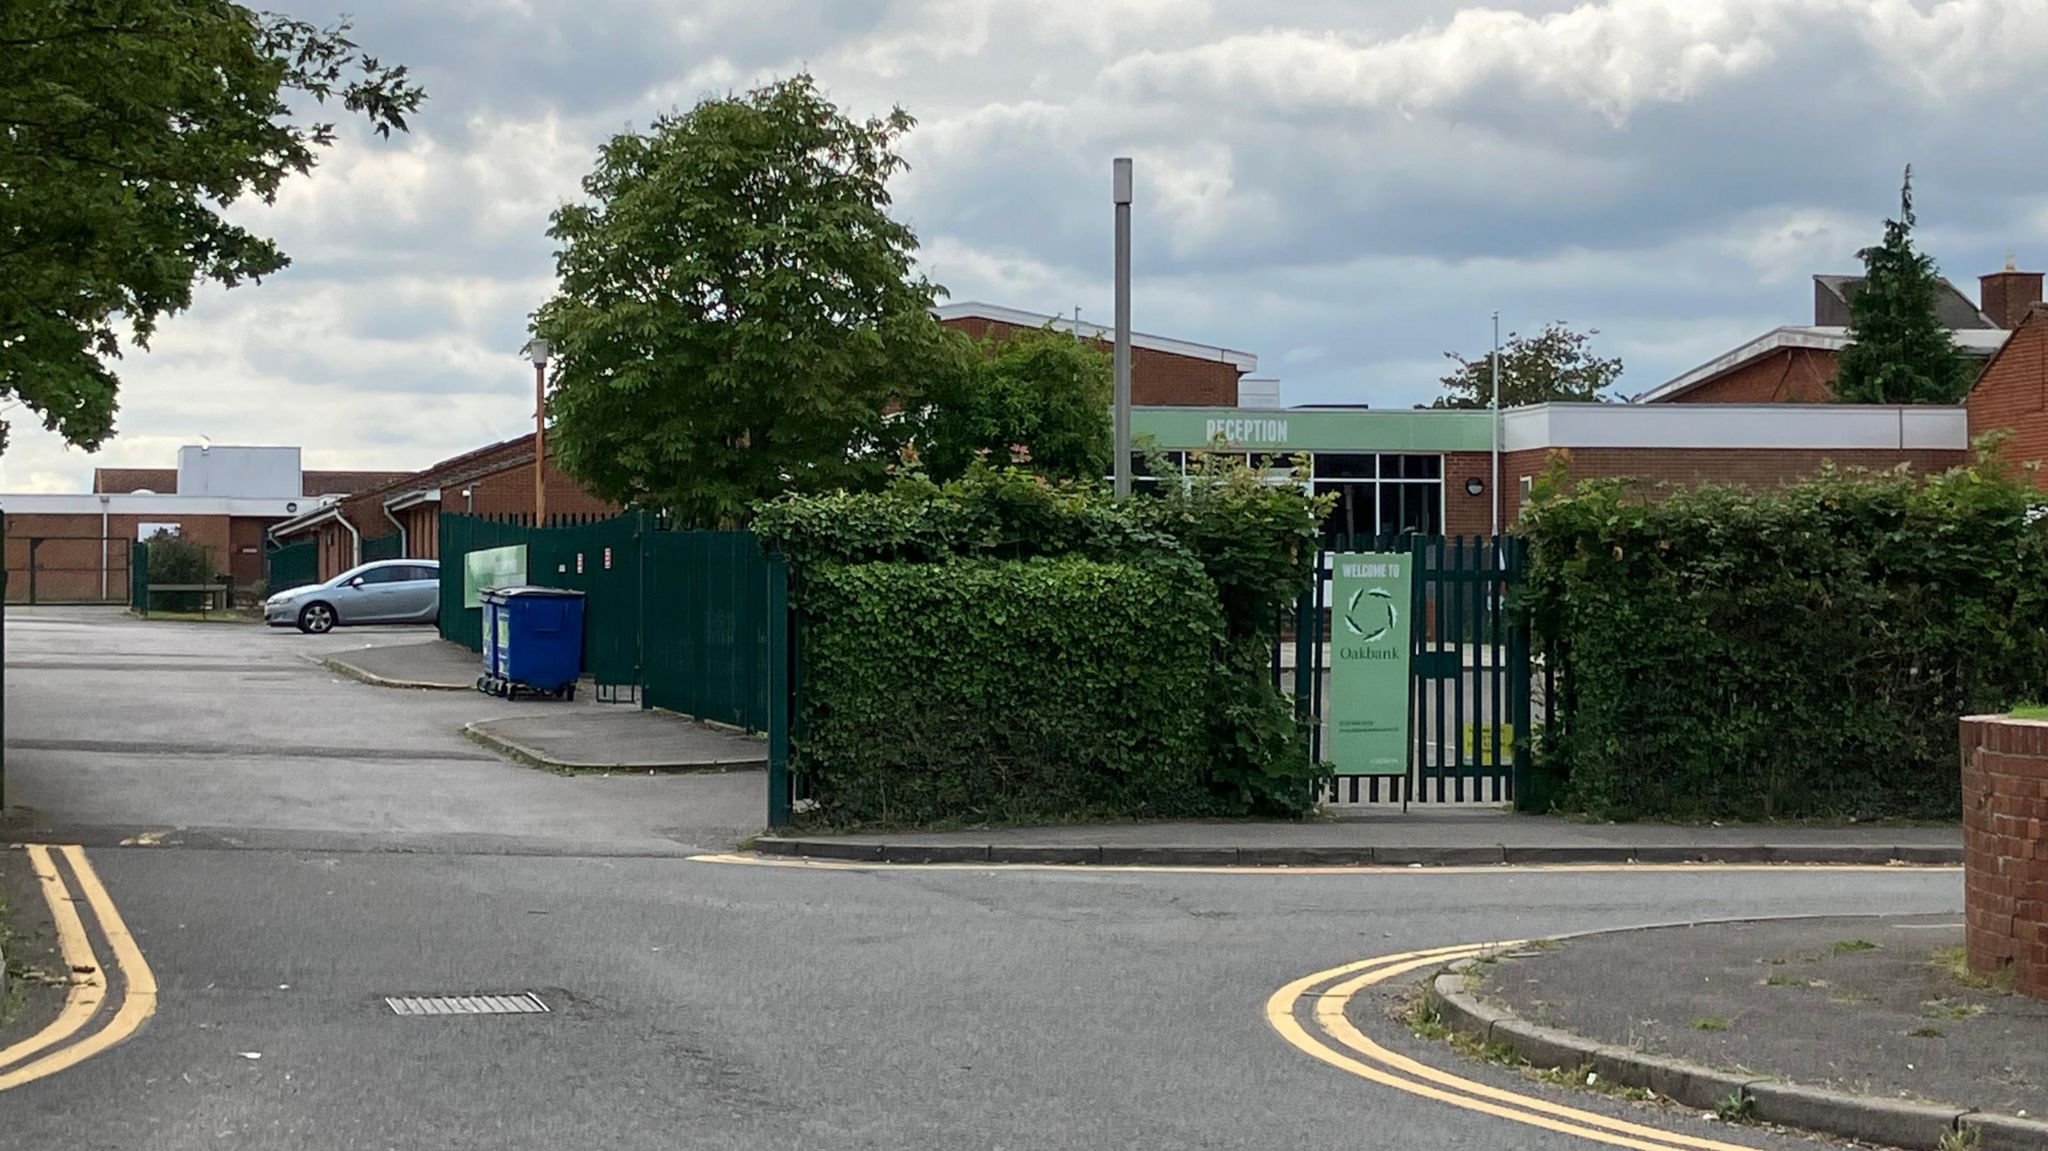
573	738
1421	837
1856	1004
433	665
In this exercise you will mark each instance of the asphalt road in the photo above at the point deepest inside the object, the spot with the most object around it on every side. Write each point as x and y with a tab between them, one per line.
340	843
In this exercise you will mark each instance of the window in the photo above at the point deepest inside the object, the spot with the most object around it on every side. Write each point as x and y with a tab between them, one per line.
1381	494
417	572
389	574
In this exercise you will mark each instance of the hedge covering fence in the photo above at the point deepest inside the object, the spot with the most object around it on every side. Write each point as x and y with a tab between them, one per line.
1002	648
1790	653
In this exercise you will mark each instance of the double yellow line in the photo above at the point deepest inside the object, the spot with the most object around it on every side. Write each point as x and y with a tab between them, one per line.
53	1048
1337	1041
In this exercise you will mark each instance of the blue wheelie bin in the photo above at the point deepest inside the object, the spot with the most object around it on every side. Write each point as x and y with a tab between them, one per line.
533	641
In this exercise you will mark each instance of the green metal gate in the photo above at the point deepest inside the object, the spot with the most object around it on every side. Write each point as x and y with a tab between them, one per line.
291	565
390	546
707	636
1469	682
138	578
680	619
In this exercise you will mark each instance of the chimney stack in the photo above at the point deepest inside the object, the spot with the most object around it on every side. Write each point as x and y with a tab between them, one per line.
2006	296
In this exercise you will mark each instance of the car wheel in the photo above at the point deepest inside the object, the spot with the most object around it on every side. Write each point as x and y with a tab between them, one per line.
316	619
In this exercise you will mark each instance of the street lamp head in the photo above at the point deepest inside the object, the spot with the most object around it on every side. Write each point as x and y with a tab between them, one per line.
1120	181
538	350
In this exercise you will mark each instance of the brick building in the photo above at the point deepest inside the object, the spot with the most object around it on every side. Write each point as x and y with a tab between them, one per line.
493	480
1429	470
2012	393
1165	372
1796	364
73	547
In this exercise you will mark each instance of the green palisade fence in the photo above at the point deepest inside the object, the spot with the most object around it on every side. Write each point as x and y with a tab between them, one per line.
384	547
684	616
706	638
138	578
461	535
290	566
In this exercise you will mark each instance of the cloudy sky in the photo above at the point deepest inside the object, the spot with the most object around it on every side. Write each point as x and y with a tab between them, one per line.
1344	187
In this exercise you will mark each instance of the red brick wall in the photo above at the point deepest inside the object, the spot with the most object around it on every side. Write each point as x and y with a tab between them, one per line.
1470	515
1786	376
2005	848
68	561
2012	394
1158	379
1687	466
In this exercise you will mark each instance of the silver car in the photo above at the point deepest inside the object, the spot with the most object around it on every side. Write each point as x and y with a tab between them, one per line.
387	591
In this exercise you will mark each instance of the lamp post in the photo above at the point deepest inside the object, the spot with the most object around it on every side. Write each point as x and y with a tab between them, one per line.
538	350
1120	191
1494	408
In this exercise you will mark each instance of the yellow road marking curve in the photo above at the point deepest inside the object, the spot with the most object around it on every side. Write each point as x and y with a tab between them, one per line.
138	999
1360	1056
88	983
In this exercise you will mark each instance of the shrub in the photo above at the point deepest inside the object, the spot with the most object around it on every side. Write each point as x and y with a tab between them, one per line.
173	559
1249	546
987	690
1799	652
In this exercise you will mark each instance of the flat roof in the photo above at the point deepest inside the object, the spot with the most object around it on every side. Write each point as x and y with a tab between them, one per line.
1016	317
1821	427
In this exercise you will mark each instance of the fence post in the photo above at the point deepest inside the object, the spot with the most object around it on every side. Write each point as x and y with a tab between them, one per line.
1519	685
780	705
138	579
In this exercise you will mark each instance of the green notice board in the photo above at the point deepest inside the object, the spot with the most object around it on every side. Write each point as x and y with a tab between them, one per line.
1369	601
491	567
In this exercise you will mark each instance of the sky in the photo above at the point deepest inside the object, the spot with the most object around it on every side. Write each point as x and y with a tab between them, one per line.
1345	188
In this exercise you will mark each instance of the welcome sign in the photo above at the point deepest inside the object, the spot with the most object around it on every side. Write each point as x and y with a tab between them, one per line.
1369	644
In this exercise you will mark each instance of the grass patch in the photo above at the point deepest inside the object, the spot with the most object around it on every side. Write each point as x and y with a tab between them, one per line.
1963	1137
1737	1107
1852	998
2030	711
1851	946
1954	962
1780	979
1709	1023
1427	1023
233	615
1584	1078
1945	1008
1925	1033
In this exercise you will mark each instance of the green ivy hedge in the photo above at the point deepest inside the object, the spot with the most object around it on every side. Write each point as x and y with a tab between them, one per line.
991	690
1248	546
1790	653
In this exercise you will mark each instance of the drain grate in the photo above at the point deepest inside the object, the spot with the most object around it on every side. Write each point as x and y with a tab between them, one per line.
524	1003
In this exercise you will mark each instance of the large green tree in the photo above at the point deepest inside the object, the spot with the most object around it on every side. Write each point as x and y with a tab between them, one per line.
1556	363
1039	399
1900	352
126	128
738	314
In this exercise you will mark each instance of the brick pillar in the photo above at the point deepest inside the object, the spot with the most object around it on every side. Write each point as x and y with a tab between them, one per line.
2005	848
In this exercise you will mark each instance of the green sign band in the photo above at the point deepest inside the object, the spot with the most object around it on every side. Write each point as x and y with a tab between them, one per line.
491	567
1370	594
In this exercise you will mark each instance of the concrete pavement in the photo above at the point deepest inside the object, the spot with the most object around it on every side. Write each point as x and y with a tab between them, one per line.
620	738
343	844
1424	835
427	663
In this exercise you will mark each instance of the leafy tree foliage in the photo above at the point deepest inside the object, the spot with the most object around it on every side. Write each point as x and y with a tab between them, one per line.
1554	364
1901	352
738	313
173	559
126	128
1040	399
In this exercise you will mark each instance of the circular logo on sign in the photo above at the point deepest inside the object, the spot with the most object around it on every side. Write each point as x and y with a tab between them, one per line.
1371	614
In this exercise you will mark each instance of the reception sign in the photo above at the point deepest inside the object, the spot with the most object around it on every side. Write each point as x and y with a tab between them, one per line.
491	567
1370	593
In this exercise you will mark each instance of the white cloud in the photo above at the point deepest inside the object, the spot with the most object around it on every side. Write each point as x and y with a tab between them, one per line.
1346	189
